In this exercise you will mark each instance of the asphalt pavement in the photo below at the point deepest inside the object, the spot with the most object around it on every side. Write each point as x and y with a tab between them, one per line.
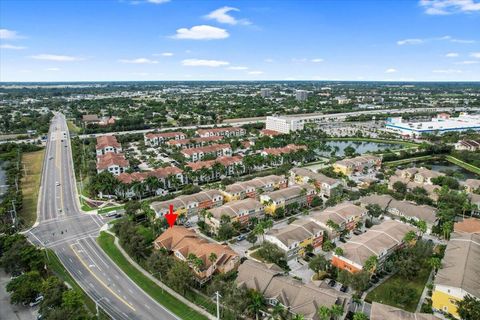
71	234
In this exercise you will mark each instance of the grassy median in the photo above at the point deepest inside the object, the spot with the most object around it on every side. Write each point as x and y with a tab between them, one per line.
32	162
463	164
106	241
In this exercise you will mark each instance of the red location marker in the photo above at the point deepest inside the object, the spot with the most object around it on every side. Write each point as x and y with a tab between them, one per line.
171	217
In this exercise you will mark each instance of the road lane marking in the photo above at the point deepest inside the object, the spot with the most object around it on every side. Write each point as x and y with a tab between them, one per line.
99	280
95	252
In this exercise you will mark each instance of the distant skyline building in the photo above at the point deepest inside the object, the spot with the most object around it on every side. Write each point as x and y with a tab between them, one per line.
302	95
265	93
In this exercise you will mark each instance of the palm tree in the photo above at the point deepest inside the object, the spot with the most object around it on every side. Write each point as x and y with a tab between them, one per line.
324	313
298	317
138	188
212	257
337	311
447	229
279	312
259	230
256	302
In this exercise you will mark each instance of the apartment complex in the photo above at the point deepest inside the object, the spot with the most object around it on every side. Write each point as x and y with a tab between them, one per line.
302	95
163	175
214	150
328	186
218	168
115	163
154	139
184	243
416	177
379	241
106	144
299	195
222	132
468	145
253	188
360	164
188	205
404	209
295	237
193	142
292	294
241	211
459	274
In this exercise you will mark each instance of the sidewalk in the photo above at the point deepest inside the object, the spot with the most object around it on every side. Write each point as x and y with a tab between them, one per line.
161	284
424	293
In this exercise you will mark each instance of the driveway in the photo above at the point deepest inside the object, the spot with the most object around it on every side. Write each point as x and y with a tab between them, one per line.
300	269
9	311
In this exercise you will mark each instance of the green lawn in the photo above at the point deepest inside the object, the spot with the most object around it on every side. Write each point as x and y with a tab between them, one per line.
72	127
463	164
106	241
109	209
408	160
33	163
380	293
58	269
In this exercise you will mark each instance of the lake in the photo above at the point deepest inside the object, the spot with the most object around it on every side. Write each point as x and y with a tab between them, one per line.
360	147
441	166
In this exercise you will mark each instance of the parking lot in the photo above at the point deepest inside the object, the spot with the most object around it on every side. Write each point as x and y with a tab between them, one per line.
9	311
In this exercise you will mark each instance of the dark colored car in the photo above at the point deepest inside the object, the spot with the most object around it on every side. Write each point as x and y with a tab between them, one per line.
344	289
332	283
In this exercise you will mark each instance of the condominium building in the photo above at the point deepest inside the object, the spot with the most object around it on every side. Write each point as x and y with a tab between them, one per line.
193	142
300	195
223	132
106	144
460	273
328	186
215	150
229	166
358	164
253	188
241	211
114	163
301	95
154	139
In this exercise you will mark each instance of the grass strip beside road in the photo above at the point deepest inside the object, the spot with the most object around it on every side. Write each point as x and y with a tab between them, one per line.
59	270
106	241
72	127
32	162
463	164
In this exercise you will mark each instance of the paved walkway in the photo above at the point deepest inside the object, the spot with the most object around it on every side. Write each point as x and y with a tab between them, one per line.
9	311
424	293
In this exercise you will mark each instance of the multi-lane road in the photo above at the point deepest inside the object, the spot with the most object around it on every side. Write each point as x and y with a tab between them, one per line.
71	233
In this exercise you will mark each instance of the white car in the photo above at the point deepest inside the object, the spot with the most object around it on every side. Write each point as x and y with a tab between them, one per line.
57	183
36	301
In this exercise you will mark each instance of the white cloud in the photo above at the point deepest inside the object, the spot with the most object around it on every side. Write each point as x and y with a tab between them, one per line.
468	62
447	71
52	69
158	1
163	54
452	55
221	15
202	32
445	7
475	55
138	61
237	68
317	60
56	57
9	34
391	70
409	41
269	60
11	47
255	73
204	63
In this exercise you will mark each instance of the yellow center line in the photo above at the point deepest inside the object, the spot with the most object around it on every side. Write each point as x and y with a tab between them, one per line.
99	280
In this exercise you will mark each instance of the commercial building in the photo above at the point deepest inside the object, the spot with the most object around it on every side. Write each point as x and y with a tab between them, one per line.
240	211
252	188
299	195
301	95
189	205
265	93
184	243
328	186
459	274
292	294
379	241
106	144
295	237
154	139
360	164
437	125
283	124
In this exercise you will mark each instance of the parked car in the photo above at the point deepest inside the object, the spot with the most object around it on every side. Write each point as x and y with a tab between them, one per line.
344	288
241	237
36	301
332	283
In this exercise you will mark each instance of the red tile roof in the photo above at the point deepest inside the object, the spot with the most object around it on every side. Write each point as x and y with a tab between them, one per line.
107	141
271	133
164	135
111	159
225	161
187	141
140	176
207	149
287	149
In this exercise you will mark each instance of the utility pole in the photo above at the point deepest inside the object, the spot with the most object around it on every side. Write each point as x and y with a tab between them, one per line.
217	295
15	212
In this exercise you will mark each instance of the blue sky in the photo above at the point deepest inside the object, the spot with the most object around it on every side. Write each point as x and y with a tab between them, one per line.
426	40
